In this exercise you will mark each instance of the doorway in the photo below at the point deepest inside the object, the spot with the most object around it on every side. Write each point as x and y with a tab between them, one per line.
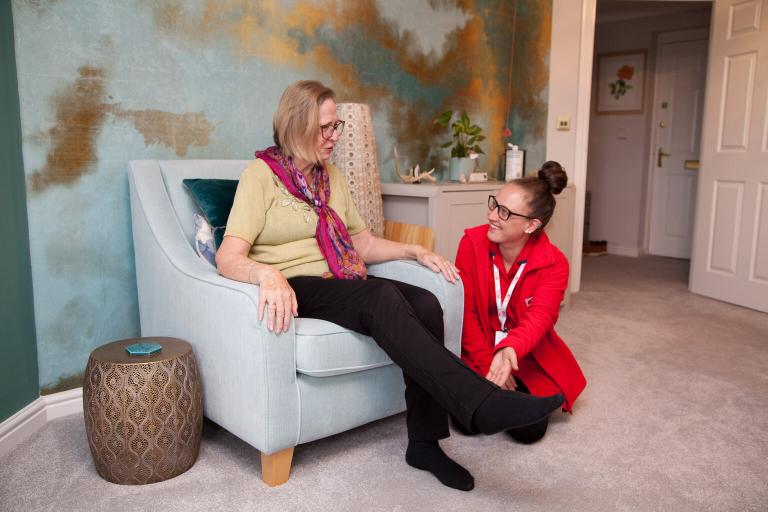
677	106
638	206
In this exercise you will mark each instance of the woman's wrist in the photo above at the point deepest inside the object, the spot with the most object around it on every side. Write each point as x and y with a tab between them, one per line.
256	272
413	251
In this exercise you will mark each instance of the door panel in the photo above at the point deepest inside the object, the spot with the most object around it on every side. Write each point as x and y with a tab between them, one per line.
730	247
760	270
724	233
736	107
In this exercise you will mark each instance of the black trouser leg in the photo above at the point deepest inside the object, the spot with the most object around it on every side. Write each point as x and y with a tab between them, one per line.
426	420
377	307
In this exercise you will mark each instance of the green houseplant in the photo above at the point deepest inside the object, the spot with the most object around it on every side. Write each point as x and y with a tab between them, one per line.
465	137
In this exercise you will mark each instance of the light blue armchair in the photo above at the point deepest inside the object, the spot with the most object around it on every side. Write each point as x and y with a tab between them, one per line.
272	391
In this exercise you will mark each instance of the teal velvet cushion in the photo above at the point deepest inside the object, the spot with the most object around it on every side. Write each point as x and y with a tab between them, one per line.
214	197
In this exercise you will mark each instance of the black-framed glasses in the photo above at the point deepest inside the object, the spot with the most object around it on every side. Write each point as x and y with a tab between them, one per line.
504	212
329	129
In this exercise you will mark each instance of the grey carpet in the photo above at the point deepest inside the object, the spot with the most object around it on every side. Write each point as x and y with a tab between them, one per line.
675	417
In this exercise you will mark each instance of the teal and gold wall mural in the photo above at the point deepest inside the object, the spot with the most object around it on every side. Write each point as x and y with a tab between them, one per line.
102	83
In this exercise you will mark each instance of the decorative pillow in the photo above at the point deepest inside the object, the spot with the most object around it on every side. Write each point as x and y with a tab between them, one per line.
214	197
204	244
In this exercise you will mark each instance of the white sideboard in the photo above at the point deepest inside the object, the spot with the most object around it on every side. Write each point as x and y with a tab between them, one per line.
451	207
446	207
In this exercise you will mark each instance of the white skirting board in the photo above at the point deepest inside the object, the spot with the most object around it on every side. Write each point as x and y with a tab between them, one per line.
623	250
27	421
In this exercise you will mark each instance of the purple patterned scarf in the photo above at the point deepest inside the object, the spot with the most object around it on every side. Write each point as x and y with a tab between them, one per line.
331	235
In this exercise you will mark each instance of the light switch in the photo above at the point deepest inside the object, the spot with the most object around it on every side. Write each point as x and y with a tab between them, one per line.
564	123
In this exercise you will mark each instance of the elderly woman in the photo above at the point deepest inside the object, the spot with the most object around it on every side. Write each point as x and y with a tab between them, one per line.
294	231
514	281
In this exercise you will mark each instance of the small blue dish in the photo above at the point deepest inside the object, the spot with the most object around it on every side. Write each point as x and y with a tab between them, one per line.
143	349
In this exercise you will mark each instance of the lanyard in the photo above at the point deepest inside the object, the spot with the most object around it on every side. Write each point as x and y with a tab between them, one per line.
501	307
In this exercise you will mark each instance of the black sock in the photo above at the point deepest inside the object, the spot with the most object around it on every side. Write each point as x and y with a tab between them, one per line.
428	455
503	410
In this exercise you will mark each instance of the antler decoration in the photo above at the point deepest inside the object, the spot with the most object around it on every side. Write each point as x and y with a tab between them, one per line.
414	173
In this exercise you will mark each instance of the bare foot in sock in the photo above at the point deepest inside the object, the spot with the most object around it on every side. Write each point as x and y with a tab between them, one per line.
428	455
503	410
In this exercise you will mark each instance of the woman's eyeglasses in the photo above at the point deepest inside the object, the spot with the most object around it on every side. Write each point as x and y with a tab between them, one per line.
504	212
329	129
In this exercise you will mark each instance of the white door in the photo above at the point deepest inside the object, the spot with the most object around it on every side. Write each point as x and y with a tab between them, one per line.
730	245
681	65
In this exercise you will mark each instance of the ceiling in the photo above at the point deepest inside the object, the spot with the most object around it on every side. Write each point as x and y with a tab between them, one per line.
616	10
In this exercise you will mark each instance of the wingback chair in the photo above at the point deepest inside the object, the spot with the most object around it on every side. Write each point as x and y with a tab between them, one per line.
272	391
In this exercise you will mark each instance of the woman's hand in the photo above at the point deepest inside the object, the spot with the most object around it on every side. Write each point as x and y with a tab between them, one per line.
277	294
437	263
375	250
233	262
510	385
502	365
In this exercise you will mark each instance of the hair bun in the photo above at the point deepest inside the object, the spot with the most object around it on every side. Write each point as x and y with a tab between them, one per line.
553	174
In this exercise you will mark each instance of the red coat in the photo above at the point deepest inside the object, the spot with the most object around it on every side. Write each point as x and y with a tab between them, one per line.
543	283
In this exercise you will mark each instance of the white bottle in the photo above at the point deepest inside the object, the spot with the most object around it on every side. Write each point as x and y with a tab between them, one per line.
513	168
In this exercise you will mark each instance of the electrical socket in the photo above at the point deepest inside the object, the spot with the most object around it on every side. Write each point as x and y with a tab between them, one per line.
564	123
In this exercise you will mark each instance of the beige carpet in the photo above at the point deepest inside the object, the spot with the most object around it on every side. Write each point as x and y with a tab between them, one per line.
674	418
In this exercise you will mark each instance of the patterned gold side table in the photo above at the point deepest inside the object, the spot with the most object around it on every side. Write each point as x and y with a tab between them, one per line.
143	414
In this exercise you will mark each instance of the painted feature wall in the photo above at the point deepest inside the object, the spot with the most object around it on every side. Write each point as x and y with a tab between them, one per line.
101	83
618	168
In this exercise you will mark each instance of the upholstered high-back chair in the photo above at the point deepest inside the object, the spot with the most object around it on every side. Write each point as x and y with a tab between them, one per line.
274	391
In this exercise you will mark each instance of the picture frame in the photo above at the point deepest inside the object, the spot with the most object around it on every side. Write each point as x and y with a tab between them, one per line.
621	78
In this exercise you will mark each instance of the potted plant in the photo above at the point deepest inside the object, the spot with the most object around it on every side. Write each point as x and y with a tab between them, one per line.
464	143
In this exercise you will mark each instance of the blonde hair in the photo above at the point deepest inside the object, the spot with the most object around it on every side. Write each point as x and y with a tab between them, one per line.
296	125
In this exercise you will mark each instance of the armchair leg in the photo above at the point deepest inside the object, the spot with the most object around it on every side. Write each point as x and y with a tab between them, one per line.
276	467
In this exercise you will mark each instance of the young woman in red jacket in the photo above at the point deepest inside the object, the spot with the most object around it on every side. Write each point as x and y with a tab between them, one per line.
514	281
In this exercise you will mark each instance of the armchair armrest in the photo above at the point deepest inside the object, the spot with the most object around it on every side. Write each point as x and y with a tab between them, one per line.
248	373
450	296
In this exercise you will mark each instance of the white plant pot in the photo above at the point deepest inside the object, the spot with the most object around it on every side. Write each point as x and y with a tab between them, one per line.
459	166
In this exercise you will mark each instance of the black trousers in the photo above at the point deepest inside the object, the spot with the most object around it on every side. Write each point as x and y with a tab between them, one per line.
407	323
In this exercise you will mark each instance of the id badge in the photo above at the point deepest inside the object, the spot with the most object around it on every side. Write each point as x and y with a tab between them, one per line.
500	335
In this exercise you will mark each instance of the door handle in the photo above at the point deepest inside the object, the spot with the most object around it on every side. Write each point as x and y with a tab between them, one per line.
660	153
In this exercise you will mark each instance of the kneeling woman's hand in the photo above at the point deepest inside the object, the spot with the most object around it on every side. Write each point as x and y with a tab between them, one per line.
502	365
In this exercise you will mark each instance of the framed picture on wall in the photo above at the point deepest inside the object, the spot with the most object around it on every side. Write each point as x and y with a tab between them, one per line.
621	82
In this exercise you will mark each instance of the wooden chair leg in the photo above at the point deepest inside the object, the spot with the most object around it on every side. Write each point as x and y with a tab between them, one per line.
276	467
